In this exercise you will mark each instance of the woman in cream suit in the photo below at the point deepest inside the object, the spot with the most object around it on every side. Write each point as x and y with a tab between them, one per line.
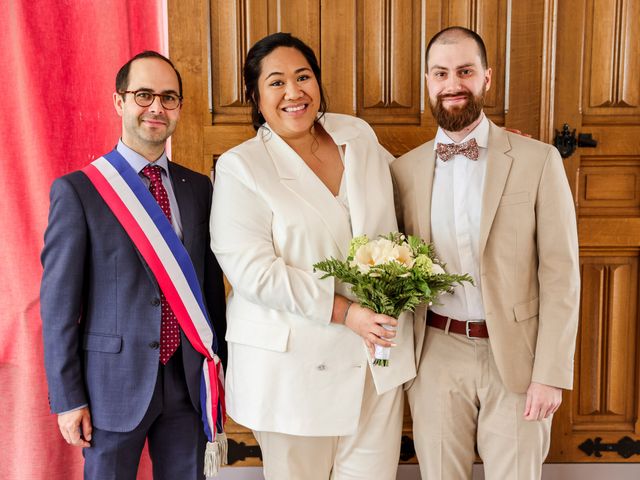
299	372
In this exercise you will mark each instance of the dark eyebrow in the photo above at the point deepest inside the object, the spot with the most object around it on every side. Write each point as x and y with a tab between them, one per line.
272	74
151	90
466	65
301	69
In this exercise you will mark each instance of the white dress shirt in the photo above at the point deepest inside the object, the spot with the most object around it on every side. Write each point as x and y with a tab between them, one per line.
456	209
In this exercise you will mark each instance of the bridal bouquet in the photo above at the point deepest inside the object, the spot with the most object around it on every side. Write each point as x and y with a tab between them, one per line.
391	275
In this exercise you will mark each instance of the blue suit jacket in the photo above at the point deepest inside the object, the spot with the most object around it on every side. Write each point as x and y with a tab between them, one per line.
100	303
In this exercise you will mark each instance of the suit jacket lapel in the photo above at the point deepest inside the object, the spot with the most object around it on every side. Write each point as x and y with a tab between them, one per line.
299	178
423	184
184	196
356	157
495	179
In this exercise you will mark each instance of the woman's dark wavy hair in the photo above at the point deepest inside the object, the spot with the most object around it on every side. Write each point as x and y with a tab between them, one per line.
253	69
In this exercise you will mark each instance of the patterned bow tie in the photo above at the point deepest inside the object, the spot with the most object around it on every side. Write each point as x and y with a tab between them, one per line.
447	150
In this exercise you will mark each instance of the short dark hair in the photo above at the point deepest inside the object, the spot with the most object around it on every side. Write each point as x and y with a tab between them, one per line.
448	34
122	78
253	69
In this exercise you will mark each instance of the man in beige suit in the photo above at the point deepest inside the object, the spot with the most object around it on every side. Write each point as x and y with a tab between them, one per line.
494	356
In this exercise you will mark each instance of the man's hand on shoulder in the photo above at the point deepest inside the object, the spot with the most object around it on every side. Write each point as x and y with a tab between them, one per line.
75	427
542	401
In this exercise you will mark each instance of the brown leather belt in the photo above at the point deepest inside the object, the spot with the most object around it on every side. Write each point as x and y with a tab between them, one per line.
470	329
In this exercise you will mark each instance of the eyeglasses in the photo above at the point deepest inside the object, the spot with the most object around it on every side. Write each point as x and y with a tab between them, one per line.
144	98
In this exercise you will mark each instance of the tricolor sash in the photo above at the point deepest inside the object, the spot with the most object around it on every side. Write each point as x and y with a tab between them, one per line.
153	235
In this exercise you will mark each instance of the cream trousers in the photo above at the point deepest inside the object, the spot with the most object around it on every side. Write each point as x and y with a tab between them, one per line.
458	401
372	452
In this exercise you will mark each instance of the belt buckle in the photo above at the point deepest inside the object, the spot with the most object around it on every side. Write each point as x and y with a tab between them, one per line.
467	329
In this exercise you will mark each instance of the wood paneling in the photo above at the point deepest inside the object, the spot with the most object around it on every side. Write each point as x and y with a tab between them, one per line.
388	61
190	55
574	61
235	26
593	72
530	53
606	351
609	185
604	402
301	19
612	72
371	54
338	55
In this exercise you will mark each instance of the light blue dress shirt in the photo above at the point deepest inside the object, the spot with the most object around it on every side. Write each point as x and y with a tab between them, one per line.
138	162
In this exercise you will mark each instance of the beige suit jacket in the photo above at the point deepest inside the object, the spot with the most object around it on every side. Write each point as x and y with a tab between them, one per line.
290	370
528	254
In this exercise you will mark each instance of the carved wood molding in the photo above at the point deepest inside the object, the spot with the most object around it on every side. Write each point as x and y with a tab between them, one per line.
388	59
612	63
547	86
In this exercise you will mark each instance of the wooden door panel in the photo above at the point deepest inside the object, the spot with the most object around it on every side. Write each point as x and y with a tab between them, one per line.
339	75
612	73
388	61
609	185
235	26
606	348
598	92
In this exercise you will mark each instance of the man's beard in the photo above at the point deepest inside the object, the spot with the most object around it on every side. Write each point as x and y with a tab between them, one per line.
457	118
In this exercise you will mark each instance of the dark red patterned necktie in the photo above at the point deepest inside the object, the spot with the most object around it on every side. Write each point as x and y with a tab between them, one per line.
169	328
447	150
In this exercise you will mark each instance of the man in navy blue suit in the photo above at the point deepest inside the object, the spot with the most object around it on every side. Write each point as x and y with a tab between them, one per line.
119	369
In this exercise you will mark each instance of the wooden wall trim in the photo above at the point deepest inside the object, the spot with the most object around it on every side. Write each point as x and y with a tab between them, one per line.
547	87
189	52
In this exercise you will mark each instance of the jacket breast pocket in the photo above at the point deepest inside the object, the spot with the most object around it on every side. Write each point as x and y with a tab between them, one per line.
267	335
514	198
97	342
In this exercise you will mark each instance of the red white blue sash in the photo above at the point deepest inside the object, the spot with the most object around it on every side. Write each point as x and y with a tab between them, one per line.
153	235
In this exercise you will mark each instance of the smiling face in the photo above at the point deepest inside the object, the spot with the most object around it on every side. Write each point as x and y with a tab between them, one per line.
457	83
145	129
289	93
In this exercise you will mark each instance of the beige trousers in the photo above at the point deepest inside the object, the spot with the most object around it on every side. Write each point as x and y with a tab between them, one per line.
372	452
458	401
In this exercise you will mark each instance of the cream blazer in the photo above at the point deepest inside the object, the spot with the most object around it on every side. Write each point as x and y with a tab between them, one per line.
290	370
528	254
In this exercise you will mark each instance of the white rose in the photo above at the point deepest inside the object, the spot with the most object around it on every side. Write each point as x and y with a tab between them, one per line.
382	251
405	256
363	258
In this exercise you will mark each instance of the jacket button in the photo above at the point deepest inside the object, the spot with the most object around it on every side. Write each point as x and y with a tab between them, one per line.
154	345
155	302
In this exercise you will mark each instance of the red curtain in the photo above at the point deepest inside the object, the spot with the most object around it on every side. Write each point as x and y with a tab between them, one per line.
58	61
